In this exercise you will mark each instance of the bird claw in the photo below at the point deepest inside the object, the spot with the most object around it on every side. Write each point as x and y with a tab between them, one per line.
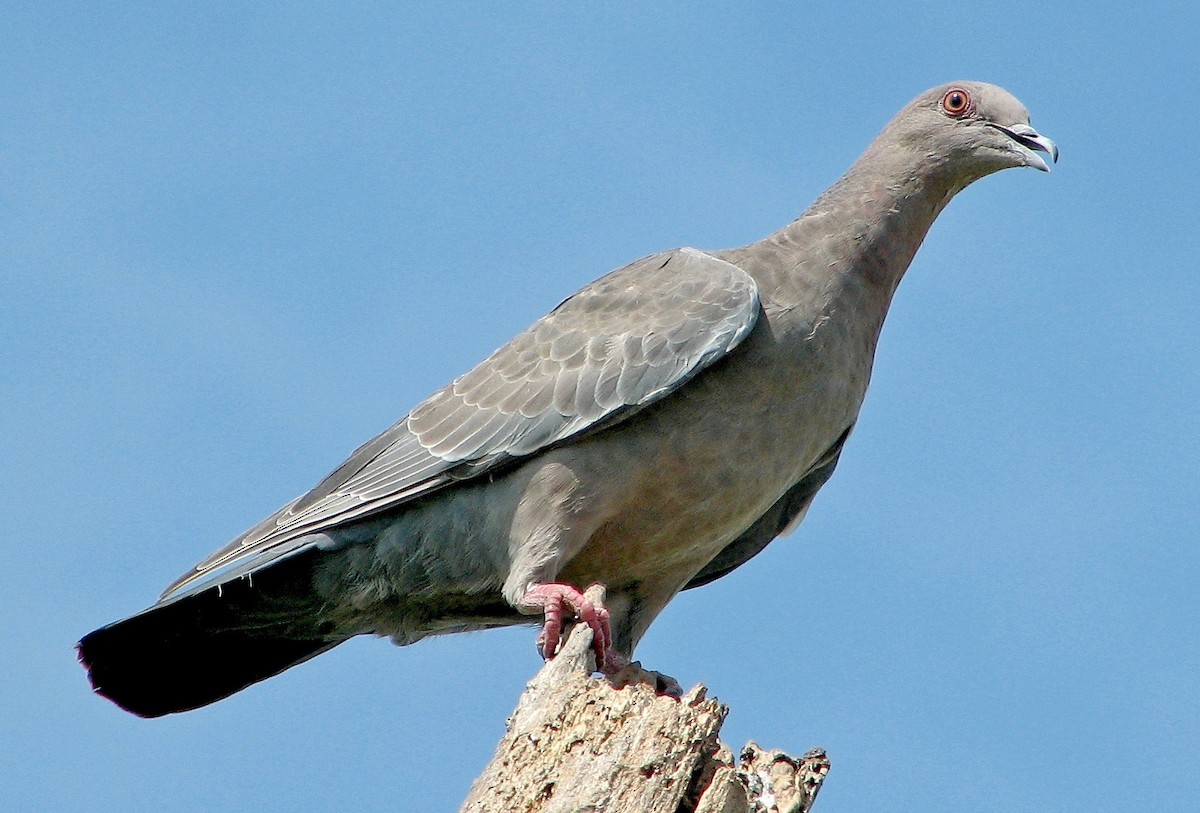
634	673
551	598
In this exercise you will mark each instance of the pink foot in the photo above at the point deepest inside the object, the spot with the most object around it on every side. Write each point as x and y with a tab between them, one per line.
551	599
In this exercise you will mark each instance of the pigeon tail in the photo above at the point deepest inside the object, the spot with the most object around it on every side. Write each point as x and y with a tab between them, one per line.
194	650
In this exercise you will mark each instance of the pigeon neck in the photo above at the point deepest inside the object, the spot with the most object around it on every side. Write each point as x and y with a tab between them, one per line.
872	221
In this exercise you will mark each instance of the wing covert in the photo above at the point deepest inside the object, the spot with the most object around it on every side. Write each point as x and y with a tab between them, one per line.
621	342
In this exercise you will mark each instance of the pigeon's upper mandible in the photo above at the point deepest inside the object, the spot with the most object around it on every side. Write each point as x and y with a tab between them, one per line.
651	433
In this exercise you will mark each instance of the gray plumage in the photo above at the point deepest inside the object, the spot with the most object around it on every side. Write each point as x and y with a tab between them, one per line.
653	432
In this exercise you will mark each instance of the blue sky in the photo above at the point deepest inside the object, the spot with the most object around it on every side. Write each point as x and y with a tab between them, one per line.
236	243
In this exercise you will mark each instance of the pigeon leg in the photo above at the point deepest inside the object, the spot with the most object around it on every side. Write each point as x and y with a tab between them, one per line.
551	598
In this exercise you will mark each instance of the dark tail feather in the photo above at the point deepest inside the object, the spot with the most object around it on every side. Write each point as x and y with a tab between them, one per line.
192	651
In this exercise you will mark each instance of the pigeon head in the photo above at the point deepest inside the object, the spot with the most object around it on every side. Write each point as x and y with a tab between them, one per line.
972	129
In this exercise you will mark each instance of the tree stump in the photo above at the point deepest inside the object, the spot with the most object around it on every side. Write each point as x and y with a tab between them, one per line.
582	743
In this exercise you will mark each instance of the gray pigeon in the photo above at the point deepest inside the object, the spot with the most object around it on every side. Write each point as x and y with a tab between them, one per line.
652	433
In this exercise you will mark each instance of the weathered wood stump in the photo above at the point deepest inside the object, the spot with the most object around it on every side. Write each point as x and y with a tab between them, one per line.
580	743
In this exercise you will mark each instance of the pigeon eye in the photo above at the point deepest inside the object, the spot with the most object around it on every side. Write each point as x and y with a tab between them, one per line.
956	102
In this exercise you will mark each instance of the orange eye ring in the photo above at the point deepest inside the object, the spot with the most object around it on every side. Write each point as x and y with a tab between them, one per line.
957	102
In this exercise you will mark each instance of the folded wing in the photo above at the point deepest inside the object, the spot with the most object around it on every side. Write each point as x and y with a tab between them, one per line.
623	342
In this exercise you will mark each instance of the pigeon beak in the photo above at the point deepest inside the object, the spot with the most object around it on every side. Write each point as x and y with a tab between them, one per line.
1031	142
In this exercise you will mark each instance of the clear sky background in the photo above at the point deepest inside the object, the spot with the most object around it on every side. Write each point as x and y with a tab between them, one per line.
236	242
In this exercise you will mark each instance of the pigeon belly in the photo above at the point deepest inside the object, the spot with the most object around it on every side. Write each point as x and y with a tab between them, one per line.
676	484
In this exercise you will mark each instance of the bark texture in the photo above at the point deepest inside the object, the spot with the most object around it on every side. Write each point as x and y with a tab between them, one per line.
579	743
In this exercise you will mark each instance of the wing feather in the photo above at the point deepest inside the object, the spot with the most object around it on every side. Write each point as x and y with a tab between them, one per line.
626	340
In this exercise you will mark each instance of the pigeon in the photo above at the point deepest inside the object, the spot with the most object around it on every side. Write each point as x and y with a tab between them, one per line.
652	433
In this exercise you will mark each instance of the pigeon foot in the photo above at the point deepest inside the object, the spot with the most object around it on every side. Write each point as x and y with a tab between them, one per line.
552	599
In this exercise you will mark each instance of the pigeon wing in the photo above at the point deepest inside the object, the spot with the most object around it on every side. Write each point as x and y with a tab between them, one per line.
621	343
